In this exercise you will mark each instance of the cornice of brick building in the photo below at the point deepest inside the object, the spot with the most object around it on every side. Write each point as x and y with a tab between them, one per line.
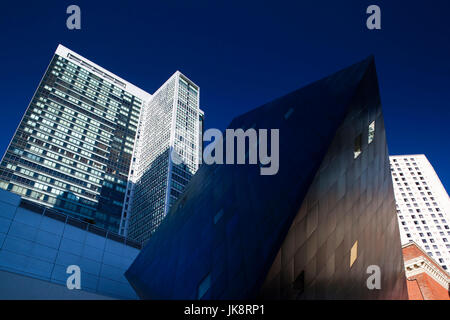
426	279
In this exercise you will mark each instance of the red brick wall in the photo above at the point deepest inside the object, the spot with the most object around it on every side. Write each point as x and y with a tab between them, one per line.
422	286
426	287
414	290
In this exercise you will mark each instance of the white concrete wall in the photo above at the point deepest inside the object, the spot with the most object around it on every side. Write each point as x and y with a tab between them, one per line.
37	246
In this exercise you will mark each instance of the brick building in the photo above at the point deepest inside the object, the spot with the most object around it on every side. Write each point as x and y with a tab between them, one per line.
426	279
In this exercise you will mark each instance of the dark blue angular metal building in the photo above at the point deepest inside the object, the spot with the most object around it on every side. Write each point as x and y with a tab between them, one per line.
309	232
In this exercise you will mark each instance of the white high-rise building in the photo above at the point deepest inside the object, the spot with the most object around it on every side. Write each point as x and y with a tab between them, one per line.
171	121
423	206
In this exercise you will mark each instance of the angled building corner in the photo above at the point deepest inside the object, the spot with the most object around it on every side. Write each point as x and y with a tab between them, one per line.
309	231
349	207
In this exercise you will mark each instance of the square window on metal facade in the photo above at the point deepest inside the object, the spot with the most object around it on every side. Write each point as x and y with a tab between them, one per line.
218	216
353	253
371	132
203	287
357	146
299	283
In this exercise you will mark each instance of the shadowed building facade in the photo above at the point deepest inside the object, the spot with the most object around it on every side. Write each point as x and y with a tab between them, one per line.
308	232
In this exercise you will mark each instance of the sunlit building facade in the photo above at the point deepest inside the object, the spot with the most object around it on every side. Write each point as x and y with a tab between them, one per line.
167	155
73	147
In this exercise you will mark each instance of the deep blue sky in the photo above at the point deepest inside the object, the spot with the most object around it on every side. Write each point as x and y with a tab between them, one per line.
245	53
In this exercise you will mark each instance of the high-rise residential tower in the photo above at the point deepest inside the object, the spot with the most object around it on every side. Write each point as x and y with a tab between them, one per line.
167	155
73	147
423	206
93	145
